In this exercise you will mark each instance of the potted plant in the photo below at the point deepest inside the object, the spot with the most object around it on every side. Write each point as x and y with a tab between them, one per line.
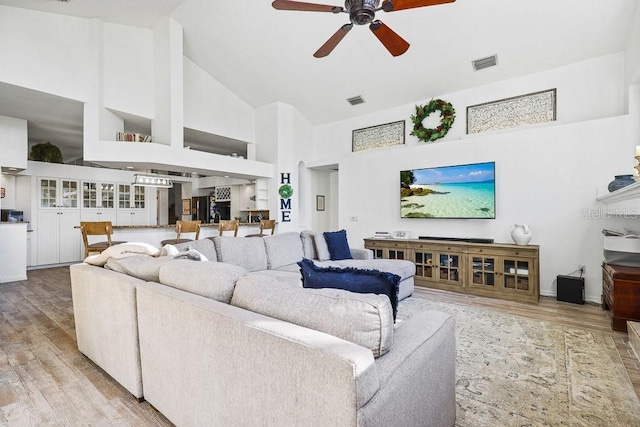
46	152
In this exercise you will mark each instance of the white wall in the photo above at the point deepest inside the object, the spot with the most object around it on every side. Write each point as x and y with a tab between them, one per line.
632	59
211	107
13	142
128	69
547	176
45	52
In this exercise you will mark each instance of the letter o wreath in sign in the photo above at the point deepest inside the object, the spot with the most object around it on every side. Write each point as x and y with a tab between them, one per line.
423	111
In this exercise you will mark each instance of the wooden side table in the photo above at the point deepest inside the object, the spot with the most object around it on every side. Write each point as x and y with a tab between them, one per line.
621	294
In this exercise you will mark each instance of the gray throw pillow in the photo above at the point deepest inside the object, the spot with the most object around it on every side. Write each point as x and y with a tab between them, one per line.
322	249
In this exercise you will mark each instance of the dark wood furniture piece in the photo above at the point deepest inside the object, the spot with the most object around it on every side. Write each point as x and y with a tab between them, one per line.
621	294
496	270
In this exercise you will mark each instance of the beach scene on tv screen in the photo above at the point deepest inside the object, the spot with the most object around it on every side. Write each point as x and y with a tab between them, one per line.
465	191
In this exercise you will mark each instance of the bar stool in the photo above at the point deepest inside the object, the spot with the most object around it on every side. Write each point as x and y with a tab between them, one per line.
228	225
265	224
96	228
184	227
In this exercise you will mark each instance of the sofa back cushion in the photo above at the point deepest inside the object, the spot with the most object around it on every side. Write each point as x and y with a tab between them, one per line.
205	246
248	253
143	267
283	249
214	280
364	319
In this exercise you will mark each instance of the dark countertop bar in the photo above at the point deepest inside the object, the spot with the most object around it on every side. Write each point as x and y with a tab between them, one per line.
129	227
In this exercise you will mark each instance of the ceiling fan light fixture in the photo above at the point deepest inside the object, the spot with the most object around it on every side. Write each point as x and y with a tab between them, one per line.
356	100
482	63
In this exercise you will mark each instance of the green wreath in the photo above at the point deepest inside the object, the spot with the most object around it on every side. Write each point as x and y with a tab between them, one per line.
423	111
285	191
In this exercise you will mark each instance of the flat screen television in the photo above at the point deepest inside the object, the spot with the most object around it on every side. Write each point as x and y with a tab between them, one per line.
462	191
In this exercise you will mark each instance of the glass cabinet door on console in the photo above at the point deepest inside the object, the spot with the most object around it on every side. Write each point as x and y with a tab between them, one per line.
440	266
504	273
388	250
483	271
515	274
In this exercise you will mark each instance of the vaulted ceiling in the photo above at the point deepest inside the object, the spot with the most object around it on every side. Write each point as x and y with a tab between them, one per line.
265	55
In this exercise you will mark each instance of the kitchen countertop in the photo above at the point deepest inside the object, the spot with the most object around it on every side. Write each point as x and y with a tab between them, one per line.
129	227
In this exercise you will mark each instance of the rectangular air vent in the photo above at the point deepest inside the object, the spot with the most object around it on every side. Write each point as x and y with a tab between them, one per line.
355	100
480	64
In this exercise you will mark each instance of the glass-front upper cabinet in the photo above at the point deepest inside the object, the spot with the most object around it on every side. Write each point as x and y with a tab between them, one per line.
124	196
89	194
138	197
108	195
56	193
98	195
131	196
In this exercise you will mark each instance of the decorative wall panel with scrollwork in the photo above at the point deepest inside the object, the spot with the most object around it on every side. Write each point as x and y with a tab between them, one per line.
538	107
380	136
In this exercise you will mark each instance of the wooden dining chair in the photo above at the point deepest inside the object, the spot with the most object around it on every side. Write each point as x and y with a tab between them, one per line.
265	225
184	227
228	225
97	228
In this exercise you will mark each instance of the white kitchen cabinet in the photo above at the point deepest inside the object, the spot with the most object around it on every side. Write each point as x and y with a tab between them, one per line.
132	205
132	217
99	214
101	195
58	241
56	193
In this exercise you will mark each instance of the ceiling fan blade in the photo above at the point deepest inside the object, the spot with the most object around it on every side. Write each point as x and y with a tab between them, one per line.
395	44
394	5
330	44
307	7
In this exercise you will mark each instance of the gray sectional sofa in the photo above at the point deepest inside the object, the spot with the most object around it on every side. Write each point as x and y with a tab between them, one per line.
230	342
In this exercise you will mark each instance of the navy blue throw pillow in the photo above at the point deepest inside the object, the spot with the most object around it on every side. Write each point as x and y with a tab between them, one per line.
351	279
338	245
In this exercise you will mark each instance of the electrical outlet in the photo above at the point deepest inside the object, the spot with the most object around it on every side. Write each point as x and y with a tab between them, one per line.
354	218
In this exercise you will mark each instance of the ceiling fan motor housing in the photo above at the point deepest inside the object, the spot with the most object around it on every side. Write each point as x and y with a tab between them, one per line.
361	12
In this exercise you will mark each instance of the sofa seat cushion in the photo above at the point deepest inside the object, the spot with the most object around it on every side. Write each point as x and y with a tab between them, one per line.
143	267
249	254
291	268
364	319
404	269
283	249
214	280
285	277
205	246
352	279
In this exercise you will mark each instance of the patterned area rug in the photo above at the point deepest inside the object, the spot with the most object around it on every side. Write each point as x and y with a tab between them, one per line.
514	371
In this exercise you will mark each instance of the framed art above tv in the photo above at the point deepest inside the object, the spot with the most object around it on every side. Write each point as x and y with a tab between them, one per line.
459	191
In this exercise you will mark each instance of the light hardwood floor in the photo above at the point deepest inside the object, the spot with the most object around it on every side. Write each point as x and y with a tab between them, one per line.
46	381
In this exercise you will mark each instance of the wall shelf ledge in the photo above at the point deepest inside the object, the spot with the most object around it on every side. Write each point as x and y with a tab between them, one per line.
629	192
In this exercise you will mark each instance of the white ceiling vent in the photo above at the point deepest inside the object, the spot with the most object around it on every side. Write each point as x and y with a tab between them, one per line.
483	63
355	100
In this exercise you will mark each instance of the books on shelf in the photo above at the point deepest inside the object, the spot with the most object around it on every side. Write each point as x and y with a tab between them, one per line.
132	137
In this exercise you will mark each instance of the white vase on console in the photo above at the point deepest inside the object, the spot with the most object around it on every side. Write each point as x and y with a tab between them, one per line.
521	234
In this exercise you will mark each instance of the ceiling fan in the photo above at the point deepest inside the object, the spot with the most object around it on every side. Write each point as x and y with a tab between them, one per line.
361	12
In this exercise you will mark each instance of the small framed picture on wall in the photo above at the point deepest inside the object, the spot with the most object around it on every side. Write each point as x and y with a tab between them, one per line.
319	203
186	206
